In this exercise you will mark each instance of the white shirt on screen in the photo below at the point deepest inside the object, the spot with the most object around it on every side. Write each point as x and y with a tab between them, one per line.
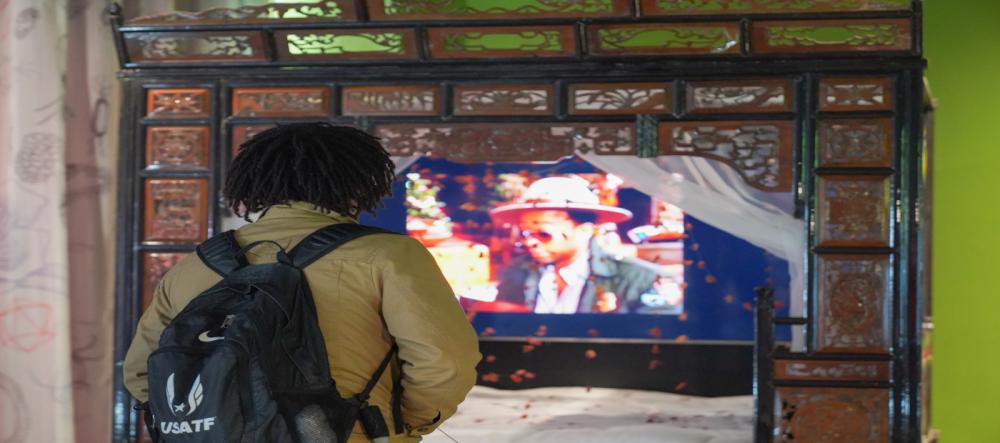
550	301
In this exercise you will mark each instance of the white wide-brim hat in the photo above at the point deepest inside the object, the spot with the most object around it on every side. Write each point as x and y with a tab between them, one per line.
568	194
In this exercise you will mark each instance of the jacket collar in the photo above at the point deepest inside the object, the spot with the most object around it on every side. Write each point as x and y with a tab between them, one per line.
301	209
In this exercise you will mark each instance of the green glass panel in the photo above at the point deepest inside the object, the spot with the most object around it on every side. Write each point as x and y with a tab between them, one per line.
507	41
497	7
309	44
679	6
711	38
850	35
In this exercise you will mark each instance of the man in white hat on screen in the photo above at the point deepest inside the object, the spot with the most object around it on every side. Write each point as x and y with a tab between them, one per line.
566	270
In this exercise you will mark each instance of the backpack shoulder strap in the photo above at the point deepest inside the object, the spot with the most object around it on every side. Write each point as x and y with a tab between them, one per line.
363	395
221	253
326	239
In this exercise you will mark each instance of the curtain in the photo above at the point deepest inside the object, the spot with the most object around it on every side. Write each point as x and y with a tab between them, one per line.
715	193
404	163
57	100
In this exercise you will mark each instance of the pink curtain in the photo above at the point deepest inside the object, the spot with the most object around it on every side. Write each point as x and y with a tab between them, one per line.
57	103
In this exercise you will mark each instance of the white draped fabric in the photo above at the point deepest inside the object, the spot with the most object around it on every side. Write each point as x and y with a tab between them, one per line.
56	156
403	163
715	193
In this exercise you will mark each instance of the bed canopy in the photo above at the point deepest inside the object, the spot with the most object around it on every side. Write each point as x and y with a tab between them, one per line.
798	126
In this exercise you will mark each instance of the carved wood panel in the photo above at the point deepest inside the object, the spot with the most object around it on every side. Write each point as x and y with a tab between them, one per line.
347	44
855	94
176	210
693	7
853	211
475	142
855	143
832	415
853	295
308	101
816	36
242	133
457	9
620	98
831	370
504	99
177	147
174	47
664	39
155	265
499	42
391	100
740	96
761	151
178	103
325	10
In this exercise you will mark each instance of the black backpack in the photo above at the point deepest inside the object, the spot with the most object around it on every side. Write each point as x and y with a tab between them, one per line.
245	360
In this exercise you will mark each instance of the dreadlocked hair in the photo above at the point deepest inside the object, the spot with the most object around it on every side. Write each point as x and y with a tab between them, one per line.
336	168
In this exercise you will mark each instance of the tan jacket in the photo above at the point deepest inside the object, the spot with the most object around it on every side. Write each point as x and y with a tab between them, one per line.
369	292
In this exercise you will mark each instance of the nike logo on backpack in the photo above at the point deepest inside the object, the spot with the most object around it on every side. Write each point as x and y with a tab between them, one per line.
207	339
204	337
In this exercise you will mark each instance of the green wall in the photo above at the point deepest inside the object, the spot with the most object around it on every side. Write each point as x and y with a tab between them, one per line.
962	45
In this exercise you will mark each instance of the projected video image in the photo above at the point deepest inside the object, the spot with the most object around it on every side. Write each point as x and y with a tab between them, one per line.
547	239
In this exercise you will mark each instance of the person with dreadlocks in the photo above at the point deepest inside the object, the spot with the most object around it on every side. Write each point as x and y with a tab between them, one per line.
371	292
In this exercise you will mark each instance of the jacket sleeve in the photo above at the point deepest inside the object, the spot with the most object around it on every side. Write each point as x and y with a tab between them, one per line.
438	349
147	336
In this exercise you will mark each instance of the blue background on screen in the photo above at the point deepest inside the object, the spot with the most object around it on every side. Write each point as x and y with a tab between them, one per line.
738	267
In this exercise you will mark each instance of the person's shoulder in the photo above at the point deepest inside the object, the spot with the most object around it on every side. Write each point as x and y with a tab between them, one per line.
392	243
190	264
380	246
188	273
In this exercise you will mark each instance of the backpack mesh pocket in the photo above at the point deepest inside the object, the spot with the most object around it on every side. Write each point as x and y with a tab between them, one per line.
317	415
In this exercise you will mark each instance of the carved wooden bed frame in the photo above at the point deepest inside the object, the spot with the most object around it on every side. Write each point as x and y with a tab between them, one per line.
838	82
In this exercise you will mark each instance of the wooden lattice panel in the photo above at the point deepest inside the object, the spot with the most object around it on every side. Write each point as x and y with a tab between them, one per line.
832	415
855	94
204	46
475	142
306	101
714	7
853	303
178	103
177	147
664	39
391	100
176	210
815	36
155	265
458	9
347	44
760	150
855	143
501	42
242	133
620	98
504	99
831	370
325	11
853	211
740	96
